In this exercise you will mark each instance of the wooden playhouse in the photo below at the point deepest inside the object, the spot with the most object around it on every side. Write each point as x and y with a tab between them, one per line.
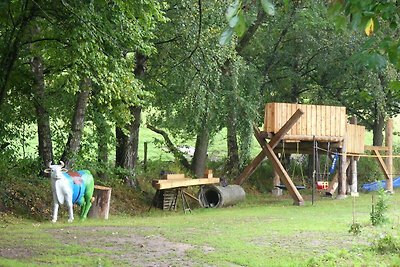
297	128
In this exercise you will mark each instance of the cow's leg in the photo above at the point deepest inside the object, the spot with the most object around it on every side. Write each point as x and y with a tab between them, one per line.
70	211
55	211
87	203
83	206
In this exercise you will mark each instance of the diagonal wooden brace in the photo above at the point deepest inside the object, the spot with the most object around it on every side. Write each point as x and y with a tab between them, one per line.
280	170
272	143
388	176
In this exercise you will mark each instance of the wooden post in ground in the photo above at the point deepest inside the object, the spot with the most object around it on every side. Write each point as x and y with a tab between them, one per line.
101	204
353	164
389	159
277	181
278	167
342	172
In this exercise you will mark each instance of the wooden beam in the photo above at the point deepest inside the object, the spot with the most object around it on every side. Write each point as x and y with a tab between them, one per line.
280	170
382	164
318	138
273	143
284	129
250	168
389	159
167	184
333	185
342	172
174	176
353	164
381	148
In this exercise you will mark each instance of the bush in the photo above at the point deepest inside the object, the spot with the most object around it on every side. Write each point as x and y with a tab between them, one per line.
386	244
355	228
379	209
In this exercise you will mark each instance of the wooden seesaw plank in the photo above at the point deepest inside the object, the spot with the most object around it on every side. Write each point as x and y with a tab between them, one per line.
168	184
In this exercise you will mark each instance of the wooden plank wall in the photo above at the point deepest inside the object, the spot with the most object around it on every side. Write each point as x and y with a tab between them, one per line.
355	137
318	120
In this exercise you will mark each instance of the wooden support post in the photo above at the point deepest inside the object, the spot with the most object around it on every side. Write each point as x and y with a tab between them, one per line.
101	204
273	143
250	168
354	178
353	164
334	184
342	172
294	193
389	159
382	165
277	181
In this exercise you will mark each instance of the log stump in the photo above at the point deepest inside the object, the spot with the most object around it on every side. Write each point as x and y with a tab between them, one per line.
101	204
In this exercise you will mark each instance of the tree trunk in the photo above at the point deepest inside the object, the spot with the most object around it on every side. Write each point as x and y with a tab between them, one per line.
233	163
128	145
77	125
200	154
172	148
102	130
42	116
379	123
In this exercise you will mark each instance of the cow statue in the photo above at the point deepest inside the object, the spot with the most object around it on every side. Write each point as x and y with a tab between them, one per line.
72	188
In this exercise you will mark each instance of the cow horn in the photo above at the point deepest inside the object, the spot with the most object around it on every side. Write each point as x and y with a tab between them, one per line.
62	163
50	164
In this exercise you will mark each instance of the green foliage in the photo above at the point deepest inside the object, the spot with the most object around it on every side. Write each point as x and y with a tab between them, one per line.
26	195
261	179
268	7
386	244
239	16
378	214
359	13
355	228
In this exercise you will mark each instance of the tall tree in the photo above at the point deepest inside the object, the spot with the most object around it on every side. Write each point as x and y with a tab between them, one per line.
77	41
42	115
128	143
77	124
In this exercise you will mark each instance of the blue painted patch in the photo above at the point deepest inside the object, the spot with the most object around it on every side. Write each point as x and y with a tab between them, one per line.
78	187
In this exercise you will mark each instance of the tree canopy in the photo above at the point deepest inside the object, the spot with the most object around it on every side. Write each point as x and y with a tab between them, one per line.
75	76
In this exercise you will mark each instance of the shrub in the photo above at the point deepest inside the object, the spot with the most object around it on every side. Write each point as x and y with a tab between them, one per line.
379	209
386	244
355	229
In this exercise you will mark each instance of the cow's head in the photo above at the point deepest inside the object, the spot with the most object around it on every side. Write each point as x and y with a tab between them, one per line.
56	171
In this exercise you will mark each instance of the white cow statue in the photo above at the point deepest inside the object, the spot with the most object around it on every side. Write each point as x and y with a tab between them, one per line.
71	188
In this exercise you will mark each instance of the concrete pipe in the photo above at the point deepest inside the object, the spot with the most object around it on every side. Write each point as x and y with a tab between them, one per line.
215	196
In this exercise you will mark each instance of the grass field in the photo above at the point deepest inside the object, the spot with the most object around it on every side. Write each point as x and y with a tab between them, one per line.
262	231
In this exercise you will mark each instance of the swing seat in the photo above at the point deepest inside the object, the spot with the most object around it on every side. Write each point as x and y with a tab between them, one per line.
283	187
322	185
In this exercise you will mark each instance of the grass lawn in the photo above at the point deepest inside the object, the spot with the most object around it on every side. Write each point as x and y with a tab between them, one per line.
262	231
